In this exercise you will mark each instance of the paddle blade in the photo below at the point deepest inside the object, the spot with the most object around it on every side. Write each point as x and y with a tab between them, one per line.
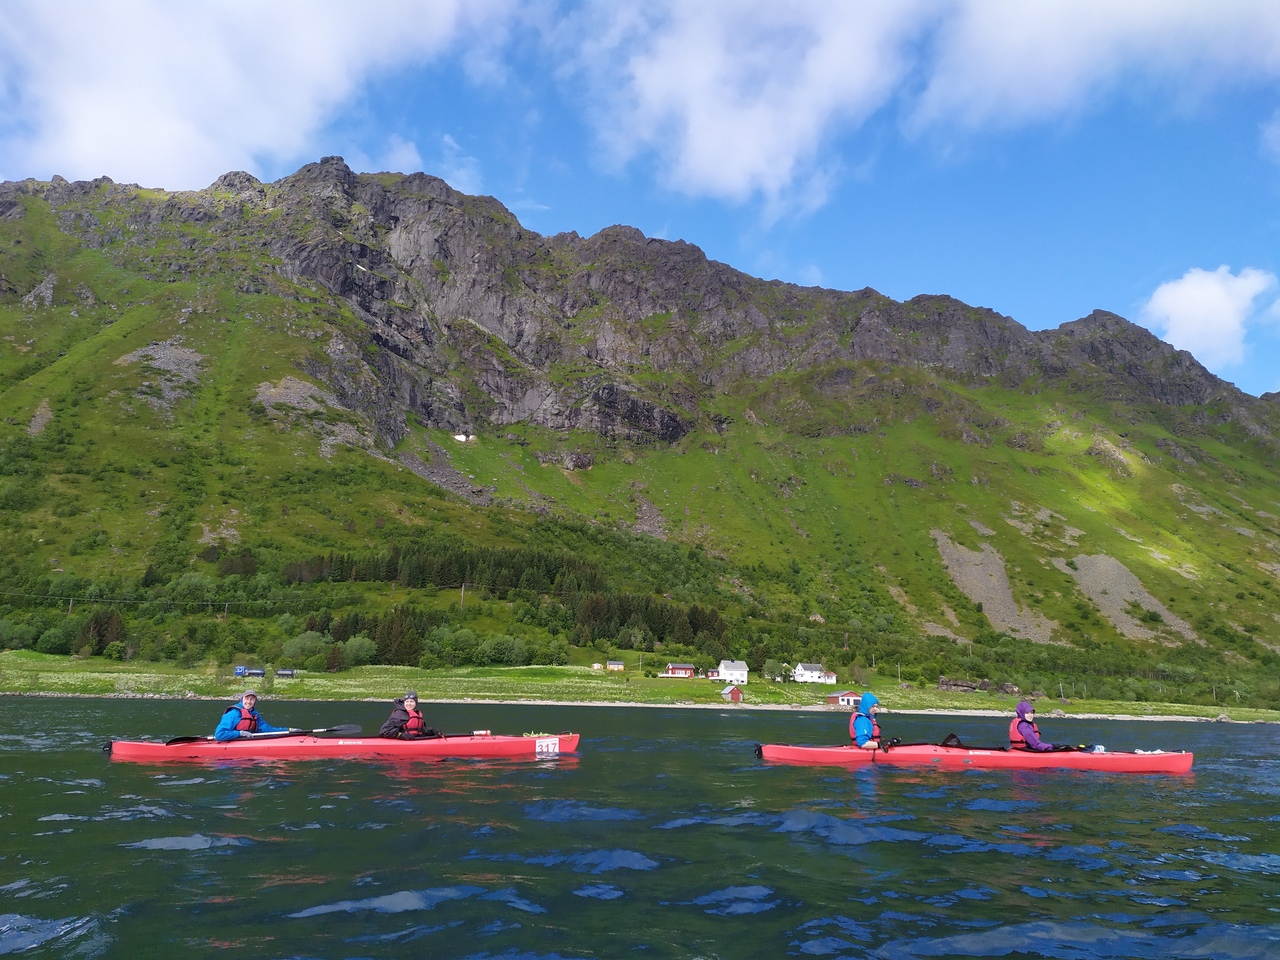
342	729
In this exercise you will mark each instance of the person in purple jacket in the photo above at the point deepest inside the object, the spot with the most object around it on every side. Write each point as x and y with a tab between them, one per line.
1023	732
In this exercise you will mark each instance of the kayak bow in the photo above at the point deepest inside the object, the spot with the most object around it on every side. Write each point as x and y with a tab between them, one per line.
961	757
464	746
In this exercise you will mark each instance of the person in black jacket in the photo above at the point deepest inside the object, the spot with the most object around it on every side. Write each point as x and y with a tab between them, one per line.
406	722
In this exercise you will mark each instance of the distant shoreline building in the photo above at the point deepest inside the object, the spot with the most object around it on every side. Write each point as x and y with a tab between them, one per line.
685	671
812	673
730	671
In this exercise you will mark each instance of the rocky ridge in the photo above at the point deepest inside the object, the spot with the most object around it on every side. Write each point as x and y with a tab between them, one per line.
470	321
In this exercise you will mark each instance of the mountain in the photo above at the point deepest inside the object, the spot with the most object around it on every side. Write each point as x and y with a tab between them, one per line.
338	364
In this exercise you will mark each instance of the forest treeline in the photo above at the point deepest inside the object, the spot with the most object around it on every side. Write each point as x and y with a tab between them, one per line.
529	605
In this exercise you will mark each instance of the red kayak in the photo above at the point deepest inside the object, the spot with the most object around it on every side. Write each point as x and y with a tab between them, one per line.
478	746
982	758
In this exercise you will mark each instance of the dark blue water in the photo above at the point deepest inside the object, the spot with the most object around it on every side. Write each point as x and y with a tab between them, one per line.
664	837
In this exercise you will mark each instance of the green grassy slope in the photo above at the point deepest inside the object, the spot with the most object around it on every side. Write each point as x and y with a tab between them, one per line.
155	429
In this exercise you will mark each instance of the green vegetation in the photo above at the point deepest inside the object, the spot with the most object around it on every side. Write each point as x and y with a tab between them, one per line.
181	491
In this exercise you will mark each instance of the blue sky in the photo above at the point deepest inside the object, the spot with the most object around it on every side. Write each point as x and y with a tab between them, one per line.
1041	159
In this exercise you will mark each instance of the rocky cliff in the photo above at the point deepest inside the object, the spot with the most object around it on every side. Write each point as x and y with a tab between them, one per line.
468	321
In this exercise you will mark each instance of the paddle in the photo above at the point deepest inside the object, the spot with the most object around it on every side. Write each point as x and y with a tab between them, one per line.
342	730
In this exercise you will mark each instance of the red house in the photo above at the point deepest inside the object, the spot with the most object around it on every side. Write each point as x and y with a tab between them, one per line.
685	670
732	694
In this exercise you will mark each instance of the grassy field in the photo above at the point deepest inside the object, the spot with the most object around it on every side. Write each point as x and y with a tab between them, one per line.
28	673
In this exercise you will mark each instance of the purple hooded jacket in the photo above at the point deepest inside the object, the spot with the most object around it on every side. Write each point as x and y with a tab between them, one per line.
1026	728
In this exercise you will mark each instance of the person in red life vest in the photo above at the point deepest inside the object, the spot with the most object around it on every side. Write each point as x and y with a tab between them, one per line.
244	718
1023	732
405	722
863	728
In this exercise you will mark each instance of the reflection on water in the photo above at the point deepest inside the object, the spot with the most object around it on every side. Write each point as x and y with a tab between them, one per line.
664	837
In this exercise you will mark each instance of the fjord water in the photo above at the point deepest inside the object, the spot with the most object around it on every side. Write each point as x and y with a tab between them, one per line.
663	837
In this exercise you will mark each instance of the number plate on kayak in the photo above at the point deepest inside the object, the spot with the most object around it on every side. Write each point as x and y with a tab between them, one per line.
547	747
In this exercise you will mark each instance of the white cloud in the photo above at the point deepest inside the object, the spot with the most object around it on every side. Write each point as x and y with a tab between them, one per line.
527	205
175	94
402	156
458	168
1208	313
1271	137
1007	62
744	98
736	97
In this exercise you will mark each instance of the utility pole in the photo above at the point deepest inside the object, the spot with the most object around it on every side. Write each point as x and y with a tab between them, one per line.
463	602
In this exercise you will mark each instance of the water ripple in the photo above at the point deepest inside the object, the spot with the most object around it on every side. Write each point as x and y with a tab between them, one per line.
597	861
513	899
1002	806
142	812
517	955
959	844
599	891
567	811
842	832
1081	940
737	901
1268	863
846	926
19	933
196	841
735	820
401	902
29	888
1198	832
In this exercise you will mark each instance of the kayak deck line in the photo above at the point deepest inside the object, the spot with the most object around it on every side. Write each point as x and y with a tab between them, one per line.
476	746
983	758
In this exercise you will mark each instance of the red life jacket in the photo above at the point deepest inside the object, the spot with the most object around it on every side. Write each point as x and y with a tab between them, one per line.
1016	740
415	726
248	722
875	727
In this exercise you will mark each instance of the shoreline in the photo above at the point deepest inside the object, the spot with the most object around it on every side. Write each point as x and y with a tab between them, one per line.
1056	714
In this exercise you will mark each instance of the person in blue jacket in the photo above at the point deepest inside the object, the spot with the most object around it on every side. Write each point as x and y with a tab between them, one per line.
242	718
863	728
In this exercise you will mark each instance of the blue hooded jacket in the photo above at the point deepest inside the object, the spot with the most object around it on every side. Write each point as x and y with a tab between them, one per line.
226	729
862	728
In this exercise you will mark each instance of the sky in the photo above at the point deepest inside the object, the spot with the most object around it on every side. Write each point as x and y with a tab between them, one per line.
1042	159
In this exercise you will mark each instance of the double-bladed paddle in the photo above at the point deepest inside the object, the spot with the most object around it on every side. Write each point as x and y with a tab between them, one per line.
342	730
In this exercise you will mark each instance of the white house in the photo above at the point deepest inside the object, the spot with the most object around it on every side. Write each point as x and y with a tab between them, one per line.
732	671
812	673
